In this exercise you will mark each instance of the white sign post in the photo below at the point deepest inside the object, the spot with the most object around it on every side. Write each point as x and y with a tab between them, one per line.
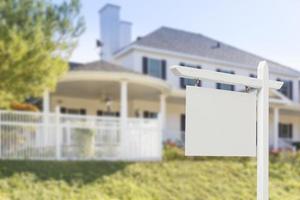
229	118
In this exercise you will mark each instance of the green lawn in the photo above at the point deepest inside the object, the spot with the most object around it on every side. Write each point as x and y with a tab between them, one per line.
174	178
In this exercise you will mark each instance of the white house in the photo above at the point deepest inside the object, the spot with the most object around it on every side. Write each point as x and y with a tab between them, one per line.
133	78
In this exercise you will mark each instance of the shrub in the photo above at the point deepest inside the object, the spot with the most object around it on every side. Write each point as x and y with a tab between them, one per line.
173	152
84	141
23	107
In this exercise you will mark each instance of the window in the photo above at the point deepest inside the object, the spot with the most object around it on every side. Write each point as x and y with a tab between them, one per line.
286	131
154	67
150	115
73	111
223	86
107	113
287	88
185	81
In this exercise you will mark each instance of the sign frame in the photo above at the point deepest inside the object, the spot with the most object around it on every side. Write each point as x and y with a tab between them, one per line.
262	84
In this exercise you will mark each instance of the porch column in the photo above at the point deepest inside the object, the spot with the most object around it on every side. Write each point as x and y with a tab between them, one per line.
163	111
46	110
123	114
276	125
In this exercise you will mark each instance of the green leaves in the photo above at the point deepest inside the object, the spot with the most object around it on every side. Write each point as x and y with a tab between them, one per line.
37	38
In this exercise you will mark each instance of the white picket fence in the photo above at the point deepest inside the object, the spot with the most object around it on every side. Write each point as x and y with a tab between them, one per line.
55	136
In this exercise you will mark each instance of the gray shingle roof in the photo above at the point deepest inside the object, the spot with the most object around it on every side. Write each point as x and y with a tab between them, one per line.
99	66
166	38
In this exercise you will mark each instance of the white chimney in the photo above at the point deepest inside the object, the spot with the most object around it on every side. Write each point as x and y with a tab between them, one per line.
125	33
114	33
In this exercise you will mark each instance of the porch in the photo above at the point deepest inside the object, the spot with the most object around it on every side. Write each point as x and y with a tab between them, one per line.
96	112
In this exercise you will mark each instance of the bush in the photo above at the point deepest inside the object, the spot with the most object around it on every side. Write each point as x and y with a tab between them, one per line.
23	107
173	152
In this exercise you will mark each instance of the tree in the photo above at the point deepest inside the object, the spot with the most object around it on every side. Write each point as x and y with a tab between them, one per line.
37	38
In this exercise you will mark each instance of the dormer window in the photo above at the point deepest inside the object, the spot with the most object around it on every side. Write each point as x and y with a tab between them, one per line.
185	81
154	67
287	88
223	86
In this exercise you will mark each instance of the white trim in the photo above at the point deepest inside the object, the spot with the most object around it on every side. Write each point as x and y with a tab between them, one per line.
149	81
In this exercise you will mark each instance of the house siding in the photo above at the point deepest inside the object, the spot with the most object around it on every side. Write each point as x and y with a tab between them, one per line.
137	59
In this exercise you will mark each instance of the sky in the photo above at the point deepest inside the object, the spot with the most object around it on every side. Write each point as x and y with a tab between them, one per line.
269	28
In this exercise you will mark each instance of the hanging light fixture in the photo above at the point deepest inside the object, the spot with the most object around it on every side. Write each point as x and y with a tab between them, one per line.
108	103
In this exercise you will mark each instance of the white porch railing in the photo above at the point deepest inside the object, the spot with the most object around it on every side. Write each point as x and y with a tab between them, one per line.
54	136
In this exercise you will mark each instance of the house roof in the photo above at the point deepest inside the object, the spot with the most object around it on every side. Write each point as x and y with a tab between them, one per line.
100	65
175	40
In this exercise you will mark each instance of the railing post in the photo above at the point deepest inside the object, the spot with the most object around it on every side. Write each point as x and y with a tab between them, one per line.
58	134
160	135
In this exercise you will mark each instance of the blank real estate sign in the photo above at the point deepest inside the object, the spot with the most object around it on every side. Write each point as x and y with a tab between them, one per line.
220	123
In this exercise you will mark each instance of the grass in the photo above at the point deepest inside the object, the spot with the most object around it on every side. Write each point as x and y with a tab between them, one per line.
176	178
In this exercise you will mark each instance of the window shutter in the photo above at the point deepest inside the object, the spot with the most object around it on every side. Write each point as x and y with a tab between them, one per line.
279	129
182	122
291	89
218	85
182	84
82	111
145	65
164	69
181	80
